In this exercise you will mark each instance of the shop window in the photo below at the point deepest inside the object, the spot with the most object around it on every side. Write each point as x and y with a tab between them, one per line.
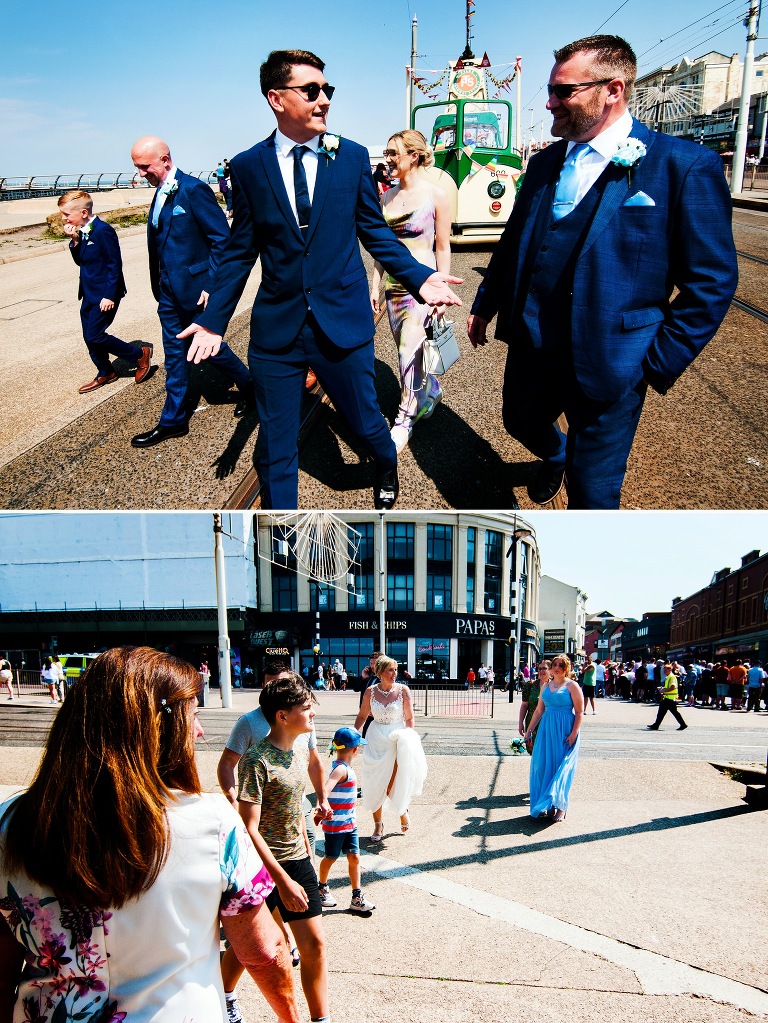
492	591
438	592
432	659
439	543
400	541
321	597
400	591
361	596
284	595
493	545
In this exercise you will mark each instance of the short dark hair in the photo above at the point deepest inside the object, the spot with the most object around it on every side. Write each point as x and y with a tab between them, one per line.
613	58
274	665
278	67
287	691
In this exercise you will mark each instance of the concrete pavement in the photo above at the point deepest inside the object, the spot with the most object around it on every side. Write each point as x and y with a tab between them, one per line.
648	901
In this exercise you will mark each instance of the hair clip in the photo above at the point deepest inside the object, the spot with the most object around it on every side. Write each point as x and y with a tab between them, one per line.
164	705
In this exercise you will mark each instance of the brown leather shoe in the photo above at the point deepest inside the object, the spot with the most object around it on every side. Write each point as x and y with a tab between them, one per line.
97	382
144	364
311	380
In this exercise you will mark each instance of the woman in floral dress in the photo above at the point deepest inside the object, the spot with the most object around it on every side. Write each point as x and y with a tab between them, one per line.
116	871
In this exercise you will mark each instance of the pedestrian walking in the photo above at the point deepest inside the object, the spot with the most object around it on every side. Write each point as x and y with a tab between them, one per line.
668	702
394	766
558	719
340	830
6	676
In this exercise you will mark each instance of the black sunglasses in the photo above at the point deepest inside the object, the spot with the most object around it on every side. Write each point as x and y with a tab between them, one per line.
564	91
311	90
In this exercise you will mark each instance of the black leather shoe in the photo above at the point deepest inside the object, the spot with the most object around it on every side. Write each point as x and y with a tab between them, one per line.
546	486
385	490
244	407
158	435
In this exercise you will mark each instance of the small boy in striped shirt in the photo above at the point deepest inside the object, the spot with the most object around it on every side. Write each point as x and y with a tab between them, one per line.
341	830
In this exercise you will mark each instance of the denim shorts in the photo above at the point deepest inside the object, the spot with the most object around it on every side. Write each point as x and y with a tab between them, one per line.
338	842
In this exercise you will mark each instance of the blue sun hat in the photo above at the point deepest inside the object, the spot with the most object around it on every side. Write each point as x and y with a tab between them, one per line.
348	738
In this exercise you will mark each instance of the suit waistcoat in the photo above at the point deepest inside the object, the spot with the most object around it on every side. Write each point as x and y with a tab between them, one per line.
546	292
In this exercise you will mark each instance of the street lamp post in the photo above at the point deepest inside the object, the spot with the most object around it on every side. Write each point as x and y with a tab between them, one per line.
517	535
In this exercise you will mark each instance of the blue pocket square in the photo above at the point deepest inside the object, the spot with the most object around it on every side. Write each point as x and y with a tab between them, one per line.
177	210
639	199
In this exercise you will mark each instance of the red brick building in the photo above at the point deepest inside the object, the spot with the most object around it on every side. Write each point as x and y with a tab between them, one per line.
728	619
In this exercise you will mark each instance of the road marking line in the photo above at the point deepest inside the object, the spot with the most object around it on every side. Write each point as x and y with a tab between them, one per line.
656	974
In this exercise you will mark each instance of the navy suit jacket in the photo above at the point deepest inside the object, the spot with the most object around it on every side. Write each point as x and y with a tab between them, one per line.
625	323
323	270
101	265
187	244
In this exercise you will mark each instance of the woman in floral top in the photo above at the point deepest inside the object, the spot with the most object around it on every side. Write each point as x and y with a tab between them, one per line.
115	869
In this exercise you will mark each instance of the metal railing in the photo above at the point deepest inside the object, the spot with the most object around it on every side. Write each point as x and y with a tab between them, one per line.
451	699
755	177
37	185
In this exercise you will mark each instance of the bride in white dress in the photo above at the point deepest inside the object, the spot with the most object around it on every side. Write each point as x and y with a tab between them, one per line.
393	763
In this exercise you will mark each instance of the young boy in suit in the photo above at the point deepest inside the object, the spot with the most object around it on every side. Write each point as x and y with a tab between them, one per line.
96	250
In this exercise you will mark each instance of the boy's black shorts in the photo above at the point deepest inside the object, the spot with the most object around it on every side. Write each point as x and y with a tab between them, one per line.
303	873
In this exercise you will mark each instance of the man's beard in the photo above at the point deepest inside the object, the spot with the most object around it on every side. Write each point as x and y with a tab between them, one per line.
580	121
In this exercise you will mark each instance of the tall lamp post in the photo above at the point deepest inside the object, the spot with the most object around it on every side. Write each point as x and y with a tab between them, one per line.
518	534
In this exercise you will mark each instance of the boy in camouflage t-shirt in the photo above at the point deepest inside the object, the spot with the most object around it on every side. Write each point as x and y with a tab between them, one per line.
272	775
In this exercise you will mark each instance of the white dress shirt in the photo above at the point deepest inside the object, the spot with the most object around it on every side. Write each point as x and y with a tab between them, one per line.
162	195
602	148
284	147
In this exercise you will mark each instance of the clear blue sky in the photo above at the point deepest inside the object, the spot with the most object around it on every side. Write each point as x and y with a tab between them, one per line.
77	88
632	562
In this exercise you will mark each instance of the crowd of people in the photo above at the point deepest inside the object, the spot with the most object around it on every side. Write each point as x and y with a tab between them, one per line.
742	685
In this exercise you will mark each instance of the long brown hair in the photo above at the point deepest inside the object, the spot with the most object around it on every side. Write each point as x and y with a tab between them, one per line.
92	826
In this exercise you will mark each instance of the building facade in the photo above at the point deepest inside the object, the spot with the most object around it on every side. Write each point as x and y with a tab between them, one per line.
727	620
648	638
451	591
83	582
562	618
454	590
699	99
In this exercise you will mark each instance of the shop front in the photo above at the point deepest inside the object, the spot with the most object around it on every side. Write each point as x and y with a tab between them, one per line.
428	645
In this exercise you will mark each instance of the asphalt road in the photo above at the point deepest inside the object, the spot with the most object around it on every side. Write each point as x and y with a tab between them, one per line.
702	446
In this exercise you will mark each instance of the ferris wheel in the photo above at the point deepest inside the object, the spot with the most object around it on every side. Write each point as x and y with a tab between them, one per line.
659	104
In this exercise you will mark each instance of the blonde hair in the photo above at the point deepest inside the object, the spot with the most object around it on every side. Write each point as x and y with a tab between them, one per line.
77	196
384	662
413	141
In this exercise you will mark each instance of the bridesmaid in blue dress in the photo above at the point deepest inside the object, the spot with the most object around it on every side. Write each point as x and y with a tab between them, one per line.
556	753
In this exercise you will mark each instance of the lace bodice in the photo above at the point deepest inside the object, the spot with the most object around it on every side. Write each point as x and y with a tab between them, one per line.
389	713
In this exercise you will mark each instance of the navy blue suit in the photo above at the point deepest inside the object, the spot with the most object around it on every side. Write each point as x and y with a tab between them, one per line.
313	305
610	325
184	251
101	276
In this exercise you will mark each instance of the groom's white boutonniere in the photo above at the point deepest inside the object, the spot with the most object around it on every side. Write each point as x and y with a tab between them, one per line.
628	154
328	145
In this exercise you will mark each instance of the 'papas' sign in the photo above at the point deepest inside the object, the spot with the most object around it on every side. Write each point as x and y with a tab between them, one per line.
475	627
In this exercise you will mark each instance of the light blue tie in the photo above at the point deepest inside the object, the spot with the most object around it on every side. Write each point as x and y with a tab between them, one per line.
162	195
570	178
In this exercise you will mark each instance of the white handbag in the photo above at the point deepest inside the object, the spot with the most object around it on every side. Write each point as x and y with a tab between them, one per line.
441	349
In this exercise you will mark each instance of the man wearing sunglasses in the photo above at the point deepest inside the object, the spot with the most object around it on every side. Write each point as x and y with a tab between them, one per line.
302	199
608	223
